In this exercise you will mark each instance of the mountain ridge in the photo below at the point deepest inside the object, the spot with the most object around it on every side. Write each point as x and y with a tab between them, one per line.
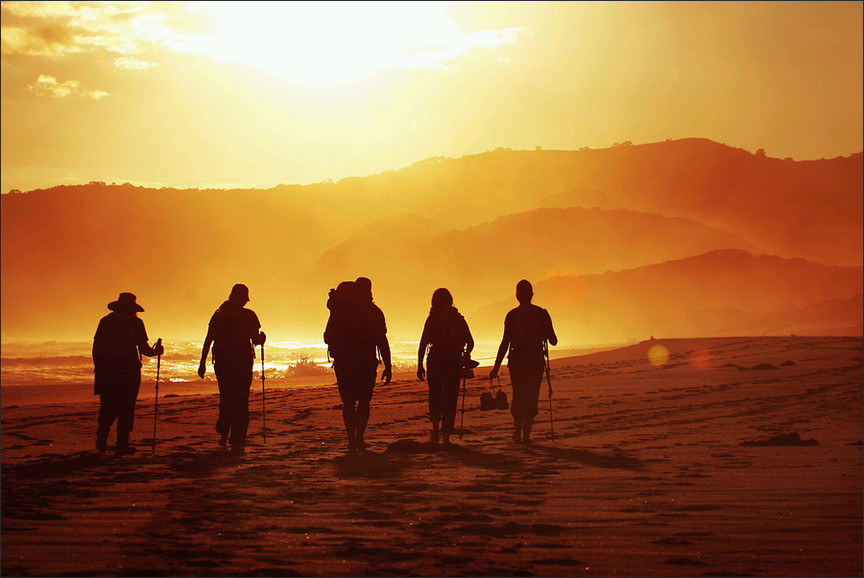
72	248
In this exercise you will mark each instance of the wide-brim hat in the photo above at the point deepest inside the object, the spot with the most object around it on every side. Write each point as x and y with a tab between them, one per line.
125	302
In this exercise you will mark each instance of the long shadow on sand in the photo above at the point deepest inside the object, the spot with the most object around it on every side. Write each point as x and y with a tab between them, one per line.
616	461
370	465
468	455
202	464
55	465
117	468
399	456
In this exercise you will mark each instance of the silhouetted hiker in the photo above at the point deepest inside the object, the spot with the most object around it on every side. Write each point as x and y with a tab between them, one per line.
234	331
356	333
119	342
526	329
448	338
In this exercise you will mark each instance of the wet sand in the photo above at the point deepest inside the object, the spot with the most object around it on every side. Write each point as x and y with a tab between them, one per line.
689	468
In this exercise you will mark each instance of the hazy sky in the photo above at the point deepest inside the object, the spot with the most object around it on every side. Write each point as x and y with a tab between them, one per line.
253	94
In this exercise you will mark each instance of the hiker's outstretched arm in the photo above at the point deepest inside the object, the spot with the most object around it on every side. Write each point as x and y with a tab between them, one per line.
208	341
145	349
469	339
552	338
499	358
384	348
421	351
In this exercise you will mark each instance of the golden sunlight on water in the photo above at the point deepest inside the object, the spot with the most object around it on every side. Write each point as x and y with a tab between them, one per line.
56	363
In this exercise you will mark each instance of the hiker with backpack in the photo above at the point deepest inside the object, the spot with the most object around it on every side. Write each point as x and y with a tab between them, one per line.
448	340
356	334
118	345
233	331
527	328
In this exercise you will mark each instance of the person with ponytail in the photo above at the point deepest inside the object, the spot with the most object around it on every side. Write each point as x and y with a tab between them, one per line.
447	344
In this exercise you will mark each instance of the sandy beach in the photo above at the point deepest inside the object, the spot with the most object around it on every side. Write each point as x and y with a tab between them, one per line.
722	457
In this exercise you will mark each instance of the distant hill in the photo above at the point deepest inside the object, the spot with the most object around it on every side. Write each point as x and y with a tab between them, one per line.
837	317
809	209
67	251
476	224
721	293
477	262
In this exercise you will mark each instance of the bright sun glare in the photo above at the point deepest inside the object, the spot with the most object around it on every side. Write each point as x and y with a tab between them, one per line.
316	43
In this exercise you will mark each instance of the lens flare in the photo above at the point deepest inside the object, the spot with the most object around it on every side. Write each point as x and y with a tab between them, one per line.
658	355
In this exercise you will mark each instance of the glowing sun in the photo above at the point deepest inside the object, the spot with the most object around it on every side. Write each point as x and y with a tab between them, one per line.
316	43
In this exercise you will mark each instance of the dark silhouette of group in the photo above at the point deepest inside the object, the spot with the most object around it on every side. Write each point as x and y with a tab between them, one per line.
356	337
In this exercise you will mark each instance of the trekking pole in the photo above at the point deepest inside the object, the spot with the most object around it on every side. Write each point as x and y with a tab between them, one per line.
263	395
549	384
462	420
156	405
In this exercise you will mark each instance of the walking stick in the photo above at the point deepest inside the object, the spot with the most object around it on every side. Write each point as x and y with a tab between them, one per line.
263	395
462	420
156	405
549	384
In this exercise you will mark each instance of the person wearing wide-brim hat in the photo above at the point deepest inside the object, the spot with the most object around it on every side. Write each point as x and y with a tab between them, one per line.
119	342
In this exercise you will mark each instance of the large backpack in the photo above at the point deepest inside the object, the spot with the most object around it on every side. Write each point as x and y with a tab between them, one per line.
349	331
336	334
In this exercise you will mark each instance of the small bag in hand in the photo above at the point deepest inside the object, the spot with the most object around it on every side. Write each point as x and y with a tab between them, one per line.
497	401
487	401
501	400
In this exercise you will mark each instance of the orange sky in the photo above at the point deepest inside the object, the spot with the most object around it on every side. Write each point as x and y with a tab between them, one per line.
259	93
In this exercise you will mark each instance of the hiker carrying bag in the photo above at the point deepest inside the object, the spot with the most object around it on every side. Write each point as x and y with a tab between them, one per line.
487	401
501	398
497	401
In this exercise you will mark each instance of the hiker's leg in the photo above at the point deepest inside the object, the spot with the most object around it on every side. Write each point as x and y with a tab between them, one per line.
223	423
434	407
526	377
107	415
125	418
517	428
362	420
344	381
517	408
435	397
447	424
533	379
240	409
350	421
127	396
449	402
366	386
240	417
527	423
